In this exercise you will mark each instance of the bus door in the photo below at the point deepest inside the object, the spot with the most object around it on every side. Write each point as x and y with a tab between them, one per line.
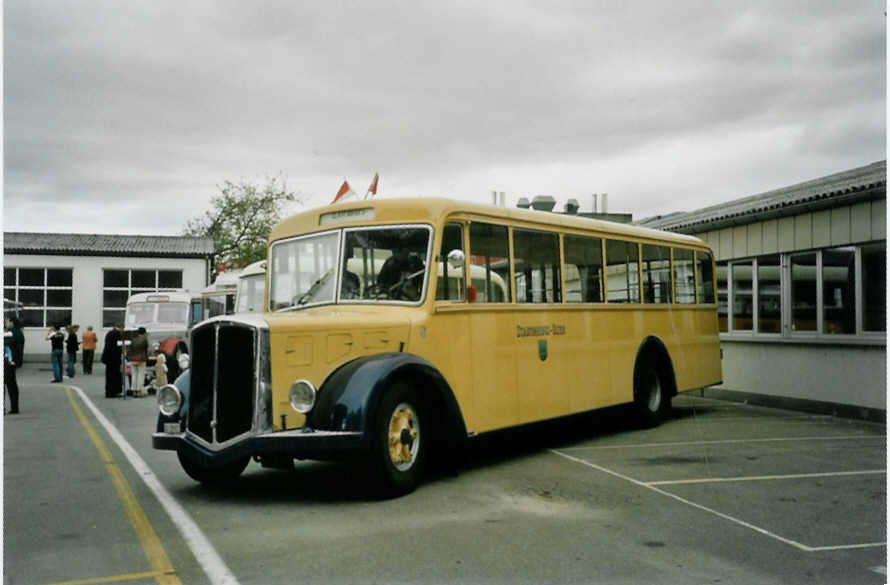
539	330
491	325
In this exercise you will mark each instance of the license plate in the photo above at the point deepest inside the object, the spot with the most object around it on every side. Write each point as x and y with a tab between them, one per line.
171	428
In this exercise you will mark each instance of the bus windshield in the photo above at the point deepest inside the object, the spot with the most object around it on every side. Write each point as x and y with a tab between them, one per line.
377	264
142	314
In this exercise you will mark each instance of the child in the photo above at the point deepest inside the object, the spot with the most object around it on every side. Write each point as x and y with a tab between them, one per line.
160	368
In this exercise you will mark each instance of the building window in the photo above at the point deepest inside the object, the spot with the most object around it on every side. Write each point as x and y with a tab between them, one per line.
119	284
874	285
803	292
45	294
742	297
818	294
839	291
769	295
723	296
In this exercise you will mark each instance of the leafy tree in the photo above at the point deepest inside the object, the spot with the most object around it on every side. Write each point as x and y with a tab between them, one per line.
240	219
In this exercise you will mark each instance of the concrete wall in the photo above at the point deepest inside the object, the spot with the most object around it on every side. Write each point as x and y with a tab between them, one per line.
87	287
854	375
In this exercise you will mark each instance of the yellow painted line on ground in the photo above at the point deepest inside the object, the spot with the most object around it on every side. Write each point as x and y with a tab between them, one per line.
162	568
110	579
766	477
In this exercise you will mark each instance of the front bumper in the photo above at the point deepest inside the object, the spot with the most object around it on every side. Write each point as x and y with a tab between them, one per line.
298	443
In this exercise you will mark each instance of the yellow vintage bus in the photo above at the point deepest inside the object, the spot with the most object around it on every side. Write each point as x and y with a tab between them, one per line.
395	329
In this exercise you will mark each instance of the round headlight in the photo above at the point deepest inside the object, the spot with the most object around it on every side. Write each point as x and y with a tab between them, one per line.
169	399
302	396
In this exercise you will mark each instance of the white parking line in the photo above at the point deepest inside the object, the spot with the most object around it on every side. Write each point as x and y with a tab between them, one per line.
206	555
765	477
725	442
788	541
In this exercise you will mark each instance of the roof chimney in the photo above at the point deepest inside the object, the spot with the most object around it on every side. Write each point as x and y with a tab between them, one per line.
572	207
605	206
523	203
543	203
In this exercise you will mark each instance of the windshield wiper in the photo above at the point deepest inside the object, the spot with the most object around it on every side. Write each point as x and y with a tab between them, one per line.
307	296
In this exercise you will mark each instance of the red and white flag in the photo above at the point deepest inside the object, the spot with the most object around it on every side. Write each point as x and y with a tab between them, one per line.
372	190
344	193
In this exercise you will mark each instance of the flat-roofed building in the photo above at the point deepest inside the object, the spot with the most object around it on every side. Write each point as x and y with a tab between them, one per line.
85	279
801	276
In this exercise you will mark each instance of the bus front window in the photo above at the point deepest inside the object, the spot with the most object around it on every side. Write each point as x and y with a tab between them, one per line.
303	271
385	264
139	314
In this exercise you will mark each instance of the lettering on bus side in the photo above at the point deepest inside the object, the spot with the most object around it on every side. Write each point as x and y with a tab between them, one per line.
540	330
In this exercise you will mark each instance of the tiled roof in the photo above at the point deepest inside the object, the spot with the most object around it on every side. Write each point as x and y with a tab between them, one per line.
865	182
106	245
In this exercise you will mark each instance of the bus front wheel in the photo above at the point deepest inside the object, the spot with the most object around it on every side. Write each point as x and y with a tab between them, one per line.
400	441
212	475
651	399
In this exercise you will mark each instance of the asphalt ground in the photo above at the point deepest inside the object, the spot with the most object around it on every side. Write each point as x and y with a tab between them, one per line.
720	493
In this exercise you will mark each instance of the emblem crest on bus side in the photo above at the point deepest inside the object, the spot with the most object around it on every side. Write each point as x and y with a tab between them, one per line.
542	349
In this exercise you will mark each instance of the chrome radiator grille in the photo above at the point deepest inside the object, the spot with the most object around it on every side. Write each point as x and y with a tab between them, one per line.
223	380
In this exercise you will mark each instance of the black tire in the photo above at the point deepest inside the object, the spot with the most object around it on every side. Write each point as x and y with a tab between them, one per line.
400	441
652	400
212	475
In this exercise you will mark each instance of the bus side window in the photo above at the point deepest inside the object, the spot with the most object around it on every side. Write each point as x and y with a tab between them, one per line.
684	276
656	274
622	271
536	264
584	269
490	262
704	270
450	284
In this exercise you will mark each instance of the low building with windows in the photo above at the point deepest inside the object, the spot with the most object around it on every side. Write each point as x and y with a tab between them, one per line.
801	277
86	279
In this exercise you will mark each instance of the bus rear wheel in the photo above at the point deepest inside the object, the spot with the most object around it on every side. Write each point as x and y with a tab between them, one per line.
400	442
651	399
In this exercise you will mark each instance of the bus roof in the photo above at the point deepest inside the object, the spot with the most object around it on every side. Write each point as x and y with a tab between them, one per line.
254	269
431	210
177	296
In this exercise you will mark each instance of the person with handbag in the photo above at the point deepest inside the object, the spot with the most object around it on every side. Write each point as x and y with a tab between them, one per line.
137	355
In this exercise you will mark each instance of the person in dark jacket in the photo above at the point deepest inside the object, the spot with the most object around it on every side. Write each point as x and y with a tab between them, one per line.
57	343
111	357
71	346
11	348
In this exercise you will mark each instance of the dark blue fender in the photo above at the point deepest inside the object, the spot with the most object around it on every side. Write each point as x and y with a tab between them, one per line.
348	399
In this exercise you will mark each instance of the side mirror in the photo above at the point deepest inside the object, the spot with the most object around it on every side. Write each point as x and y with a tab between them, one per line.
456	259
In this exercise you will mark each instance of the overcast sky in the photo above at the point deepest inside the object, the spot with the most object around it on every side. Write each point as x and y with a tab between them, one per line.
125	117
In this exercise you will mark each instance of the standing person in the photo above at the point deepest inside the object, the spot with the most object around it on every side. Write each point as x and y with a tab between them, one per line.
111	357
57	341
71	346
89	349
18	342
160	366
9	366
138	355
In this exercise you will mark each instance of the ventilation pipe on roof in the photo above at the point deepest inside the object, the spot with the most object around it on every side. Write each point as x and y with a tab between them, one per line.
523	203
604	200
594	202
543	203
572	207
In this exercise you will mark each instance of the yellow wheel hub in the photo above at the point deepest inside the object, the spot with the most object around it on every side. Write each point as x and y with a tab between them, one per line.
403	436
